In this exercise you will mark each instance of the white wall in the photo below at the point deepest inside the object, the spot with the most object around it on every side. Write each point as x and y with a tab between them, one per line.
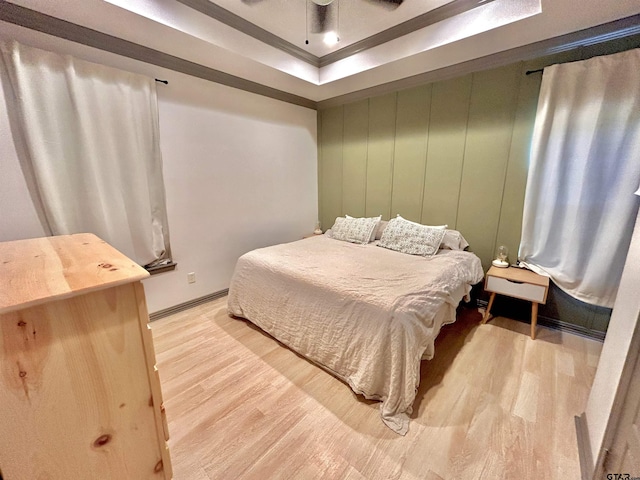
240	172
616	347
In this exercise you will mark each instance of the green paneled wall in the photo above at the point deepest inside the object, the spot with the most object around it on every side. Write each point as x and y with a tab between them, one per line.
452	152
486	155
354	164
380	143
448	128
331	166
410	152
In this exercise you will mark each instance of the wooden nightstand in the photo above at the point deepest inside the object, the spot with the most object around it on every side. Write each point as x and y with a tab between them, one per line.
517	283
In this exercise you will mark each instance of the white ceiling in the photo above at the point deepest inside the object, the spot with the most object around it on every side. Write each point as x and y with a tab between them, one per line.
171	27
353	20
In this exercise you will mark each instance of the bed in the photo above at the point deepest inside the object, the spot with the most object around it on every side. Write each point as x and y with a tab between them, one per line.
368	315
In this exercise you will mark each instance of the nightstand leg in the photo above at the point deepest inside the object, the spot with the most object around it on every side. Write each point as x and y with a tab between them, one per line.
487	314
534	319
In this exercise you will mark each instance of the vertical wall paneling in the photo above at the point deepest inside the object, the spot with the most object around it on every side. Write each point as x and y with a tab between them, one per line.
510	224
410	152
331	179
354	158
382	124
462	147
319	166
445	154
489	130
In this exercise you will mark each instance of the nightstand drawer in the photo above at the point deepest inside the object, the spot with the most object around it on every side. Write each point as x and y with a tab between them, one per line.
525	291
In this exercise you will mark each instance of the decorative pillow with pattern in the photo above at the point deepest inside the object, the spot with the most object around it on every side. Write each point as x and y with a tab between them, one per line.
354	230
375	230
409	237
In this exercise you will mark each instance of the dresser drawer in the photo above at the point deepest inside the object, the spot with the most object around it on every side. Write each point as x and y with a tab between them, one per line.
525	291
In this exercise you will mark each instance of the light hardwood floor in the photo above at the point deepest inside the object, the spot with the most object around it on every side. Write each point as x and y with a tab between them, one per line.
492	404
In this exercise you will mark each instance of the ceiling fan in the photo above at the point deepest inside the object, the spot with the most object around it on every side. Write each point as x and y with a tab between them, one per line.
324	13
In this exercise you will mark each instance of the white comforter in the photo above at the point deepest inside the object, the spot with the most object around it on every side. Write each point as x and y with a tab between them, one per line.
365	313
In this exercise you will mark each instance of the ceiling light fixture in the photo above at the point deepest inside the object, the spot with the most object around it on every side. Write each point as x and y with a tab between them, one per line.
331	38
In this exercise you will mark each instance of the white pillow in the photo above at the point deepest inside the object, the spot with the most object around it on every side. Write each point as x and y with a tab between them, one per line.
373	233
453	240
421	225
380	228
409	237
354	230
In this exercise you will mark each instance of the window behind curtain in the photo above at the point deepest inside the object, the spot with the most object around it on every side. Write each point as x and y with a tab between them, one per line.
89	143
580	206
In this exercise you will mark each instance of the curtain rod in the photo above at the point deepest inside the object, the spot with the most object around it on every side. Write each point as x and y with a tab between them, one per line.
529	72
166	82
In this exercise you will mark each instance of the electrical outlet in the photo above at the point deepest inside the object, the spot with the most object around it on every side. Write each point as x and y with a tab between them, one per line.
191	277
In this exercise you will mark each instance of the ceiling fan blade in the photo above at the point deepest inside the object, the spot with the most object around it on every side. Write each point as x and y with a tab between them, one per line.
387	4
251	2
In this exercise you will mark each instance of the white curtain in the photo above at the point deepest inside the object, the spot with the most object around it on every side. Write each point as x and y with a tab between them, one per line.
585	167
89	138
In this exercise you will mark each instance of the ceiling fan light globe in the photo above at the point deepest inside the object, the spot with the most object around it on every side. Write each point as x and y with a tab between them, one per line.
331	38
322	3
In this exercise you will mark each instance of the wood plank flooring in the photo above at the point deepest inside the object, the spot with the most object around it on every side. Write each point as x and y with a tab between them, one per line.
492	404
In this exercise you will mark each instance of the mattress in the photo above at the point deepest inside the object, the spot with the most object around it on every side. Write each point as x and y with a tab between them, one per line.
366	314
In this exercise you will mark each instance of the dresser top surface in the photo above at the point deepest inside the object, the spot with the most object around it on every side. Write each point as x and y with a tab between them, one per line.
39	270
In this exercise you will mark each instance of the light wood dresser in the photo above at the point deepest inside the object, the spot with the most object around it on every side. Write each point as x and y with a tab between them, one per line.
80	395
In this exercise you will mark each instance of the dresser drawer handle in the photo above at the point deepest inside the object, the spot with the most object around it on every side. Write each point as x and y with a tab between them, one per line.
514	281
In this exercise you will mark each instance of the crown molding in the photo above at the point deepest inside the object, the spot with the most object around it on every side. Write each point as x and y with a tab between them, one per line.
436	15
618	29
234	21
451	9
34	20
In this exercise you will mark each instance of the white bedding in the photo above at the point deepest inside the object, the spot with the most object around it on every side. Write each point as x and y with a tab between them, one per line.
365	313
